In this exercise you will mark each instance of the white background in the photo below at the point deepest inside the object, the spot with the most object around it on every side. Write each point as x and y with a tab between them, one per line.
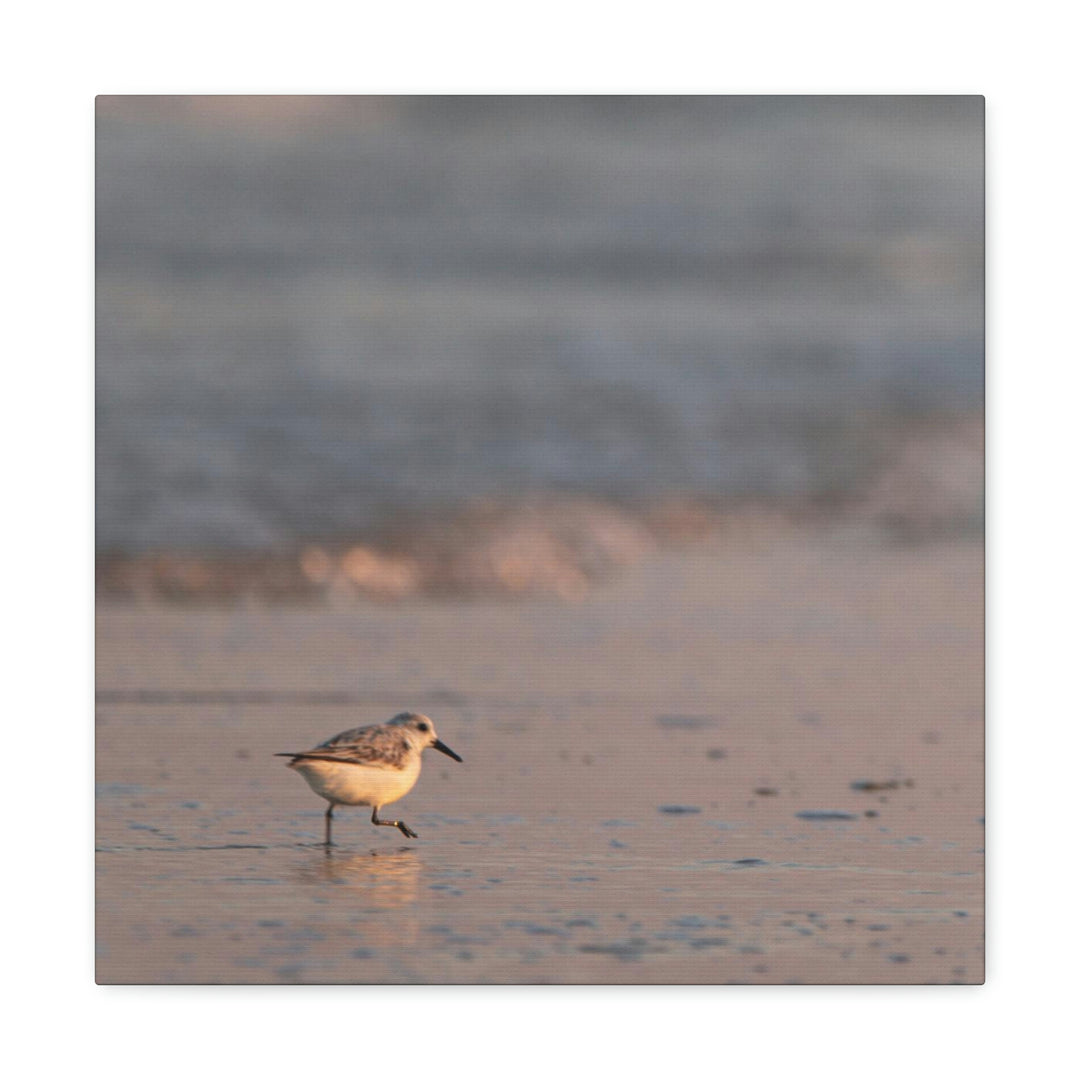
59	57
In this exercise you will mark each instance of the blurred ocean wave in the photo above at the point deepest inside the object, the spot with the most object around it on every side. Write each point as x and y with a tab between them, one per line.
318	317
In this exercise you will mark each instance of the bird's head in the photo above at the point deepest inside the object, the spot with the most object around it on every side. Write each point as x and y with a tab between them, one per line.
422	732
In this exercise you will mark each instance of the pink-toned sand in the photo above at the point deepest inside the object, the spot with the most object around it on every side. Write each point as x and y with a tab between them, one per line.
636	764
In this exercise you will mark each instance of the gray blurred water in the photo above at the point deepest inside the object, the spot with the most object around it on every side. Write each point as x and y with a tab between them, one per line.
314	314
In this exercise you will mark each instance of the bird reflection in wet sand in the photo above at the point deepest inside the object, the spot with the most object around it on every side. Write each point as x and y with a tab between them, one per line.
387	879
379	891
369	766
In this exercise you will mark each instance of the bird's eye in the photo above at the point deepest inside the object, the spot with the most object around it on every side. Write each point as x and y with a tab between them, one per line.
422	727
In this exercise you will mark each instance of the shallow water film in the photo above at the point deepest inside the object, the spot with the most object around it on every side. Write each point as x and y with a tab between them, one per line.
759	763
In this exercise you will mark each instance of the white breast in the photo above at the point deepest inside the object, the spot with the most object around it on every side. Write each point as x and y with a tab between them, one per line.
359	785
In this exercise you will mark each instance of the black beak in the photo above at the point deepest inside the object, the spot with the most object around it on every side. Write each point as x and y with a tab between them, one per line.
438	744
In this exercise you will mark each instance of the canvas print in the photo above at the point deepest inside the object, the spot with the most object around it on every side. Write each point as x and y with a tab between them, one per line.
539	540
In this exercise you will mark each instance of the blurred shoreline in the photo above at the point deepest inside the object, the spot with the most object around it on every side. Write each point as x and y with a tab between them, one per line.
562	546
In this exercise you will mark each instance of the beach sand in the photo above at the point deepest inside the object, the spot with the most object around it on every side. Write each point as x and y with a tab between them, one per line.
657	784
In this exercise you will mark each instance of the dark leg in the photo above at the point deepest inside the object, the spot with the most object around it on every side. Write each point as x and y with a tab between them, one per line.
329	818
400	824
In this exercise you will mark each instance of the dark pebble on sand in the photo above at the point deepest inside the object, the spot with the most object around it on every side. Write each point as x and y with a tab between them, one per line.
874	785
536	928
825	815
766	792
676	809
624	950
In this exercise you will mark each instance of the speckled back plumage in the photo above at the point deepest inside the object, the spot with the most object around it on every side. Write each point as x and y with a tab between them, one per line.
381	744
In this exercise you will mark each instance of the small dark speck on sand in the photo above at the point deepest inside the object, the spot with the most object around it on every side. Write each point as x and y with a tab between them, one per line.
899	958
674	808
766	792
623	950
749	862
825	815
716	753
536	928
874	785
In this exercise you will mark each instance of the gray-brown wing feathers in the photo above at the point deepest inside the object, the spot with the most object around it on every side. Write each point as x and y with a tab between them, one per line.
375	745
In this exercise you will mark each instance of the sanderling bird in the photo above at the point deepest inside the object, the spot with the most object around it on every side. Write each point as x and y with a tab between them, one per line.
369	766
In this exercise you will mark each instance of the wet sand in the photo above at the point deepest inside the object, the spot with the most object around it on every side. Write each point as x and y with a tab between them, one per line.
657	785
